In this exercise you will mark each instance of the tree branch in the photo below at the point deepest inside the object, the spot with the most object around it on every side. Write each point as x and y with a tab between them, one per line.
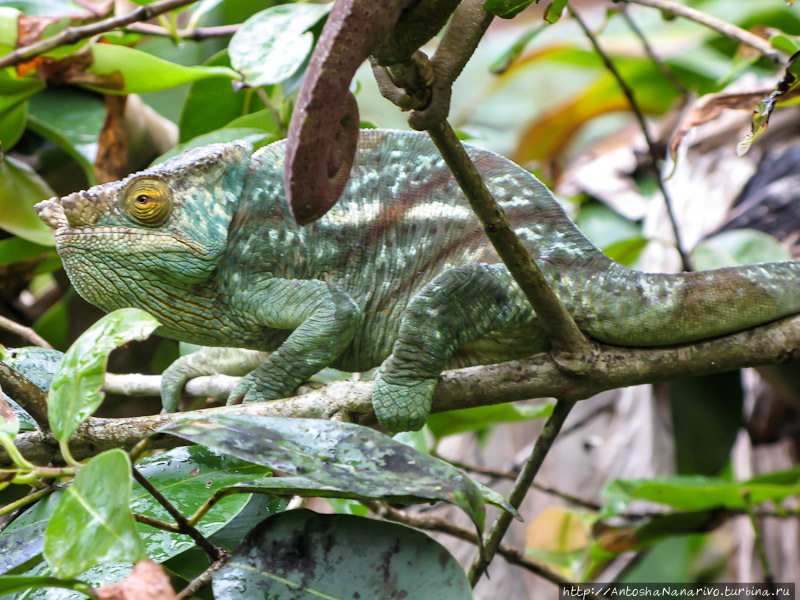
718	25
567	340
72	34
26	333
535	377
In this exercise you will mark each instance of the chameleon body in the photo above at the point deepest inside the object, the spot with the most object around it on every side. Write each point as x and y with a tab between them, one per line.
399	273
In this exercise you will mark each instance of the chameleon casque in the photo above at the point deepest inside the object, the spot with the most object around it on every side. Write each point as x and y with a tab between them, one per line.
399	273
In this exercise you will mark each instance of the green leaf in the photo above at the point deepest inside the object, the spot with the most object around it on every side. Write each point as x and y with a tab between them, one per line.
75	391
20	189
627	252
15	249
15	583
93	522
23	540
213	103
471	419
14	94
188	477
272	44
262	119
503	62
305	556
72	119
257	137
784	43
738	247
128	71
604	226
9	28
506	9
553	12
693	493
336	455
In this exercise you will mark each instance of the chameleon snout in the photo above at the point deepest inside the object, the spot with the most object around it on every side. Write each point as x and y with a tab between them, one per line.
74	210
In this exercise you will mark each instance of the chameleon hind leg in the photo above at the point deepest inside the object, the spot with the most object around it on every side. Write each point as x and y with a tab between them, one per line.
455	311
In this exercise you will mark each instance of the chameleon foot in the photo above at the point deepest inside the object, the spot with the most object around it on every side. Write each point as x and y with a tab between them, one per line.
402	407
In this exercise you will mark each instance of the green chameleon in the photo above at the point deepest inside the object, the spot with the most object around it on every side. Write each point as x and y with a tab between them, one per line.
399	273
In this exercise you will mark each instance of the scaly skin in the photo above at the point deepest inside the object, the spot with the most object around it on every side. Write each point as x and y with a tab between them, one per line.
397	274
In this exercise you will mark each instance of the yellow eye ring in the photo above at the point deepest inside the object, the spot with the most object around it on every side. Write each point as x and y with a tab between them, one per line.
147	201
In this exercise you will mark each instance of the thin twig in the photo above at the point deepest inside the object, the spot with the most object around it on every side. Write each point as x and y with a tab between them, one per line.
26	333
500	474
33	496
543	444
203	579
512	555
72	34
723	27
668	73
214	552
564	335
272	110
157	523
197	34
651	148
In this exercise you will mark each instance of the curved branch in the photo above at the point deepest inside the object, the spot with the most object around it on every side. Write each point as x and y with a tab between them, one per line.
727	29
535	377
72	34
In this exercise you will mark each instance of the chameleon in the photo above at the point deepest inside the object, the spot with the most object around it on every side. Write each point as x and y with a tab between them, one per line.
398	274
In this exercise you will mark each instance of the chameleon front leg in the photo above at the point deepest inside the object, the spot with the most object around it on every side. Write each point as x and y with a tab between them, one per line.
323	318
206	361
460	305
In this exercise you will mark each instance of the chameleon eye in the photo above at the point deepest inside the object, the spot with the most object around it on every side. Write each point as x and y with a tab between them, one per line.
148	201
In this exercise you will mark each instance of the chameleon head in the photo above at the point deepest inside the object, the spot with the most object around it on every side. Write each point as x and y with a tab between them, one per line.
167	224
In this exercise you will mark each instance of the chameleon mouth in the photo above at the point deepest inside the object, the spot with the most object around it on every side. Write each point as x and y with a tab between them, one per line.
52	213
79	237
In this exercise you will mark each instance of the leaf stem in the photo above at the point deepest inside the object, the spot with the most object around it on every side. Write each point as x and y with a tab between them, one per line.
758	540
27	499
215	553
529	470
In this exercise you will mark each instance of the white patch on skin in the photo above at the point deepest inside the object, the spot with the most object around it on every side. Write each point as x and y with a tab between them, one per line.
434	210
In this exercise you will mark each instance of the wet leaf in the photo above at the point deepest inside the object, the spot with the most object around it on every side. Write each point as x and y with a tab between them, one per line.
272	44
305	556
75	391
765	107
506	9
125	70
23	540
188	477
93	522
20	189
15	583
340	455
738	247
472	419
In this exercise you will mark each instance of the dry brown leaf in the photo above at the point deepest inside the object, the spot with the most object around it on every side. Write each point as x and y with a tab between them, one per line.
111	161
148	581
710	106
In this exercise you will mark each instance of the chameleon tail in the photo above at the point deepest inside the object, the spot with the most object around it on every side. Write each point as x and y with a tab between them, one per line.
621	306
